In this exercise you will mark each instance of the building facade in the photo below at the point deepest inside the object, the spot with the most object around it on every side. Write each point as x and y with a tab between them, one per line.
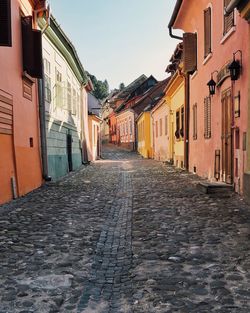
20	163
218	117
65	98
160	122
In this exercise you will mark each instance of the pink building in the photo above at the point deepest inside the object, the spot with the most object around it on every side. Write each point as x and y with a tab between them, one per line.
218	122
21	64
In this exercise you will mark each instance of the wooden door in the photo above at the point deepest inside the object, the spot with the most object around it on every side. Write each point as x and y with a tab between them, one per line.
226	136
69	152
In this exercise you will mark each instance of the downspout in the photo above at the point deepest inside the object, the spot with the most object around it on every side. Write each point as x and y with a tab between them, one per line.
187	119
42	118
231	6
173	18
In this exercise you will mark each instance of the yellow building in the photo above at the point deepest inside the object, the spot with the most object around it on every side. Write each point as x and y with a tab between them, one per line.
144	135
175	99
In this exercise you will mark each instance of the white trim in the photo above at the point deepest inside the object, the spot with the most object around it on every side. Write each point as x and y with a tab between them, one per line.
228	34
212	21
194	74
209	56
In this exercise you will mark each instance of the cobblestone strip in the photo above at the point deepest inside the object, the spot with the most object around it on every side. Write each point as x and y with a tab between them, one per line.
109	287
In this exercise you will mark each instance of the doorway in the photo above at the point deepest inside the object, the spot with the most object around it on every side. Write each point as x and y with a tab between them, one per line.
69	152
226	136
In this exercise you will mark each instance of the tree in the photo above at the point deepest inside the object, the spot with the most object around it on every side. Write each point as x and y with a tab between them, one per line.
121	86
101	88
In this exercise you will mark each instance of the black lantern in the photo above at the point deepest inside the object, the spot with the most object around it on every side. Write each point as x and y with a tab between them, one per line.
212	84
235	67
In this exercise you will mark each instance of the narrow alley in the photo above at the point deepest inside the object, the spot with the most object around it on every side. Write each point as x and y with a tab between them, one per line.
125	234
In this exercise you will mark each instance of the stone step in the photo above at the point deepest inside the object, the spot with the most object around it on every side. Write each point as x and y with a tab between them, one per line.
215	188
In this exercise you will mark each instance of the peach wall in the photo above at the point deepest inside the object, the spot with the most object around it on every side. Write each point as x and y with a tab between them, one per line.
190	19
25	112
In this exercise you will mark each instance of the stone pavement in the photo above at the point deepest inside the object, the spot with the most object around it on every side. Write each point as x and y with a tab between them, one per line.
125	235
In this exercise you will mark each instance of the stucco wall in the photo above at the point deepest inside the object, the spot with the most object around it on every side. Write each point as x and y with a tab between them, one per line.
202	151
20	160
63	116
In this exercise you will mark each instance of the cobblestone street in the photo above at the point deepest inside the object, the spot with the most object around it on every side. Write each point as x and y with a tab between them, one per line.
125	235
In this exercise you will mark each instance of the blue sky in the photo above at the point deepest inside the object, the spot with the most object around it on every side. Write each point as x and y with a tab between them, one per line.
119	39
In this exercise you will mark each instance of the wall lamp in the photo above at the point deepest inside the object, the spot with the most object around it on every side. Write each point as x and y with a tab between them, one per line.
235	66
212	84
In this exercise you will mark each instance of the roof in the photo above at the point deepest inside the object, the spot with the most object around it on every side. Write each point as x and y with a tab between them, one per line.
175	13
131	87
175	59
57	36
136	94
152	97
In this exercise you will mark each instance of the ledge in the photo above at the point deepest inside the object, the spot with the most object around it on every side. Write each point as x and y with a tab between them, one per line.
227	35
194	74
28	78
208	57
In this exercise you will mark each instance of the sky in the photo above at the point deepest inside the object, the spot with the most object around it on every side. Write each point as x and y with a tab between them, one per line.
119	40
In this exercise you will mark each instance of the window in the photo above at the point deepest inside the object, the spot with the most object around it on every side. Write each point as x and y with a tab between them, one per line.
69	96
189	52
207	32
58	90
228	20
182	122
207	117
131	128
32	49
5	23
195	121
156	129
78	106
166	125
74	102
160	127
177	122
47	80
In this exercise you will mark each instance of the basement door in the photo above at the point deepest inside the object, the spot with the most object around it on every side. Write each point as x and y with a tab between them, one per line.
69	152
226	137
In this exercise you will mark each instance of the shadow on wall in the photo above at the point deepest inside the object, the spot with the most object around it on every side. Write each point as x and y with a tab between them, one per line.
64	147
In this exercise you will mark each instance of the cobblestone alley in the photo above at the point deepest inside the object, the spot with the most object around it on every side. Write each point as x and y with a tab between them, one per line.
125	235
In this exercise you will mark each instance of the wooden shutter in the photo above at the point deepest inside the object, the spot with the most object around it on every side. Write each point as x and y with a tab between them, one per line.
190	52
32	49
207	117
195	122
228	20
5	23
207	32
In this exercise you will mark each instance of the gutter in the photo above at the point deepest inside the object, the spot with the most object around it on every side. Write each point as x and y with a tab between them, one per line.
231	6
173	18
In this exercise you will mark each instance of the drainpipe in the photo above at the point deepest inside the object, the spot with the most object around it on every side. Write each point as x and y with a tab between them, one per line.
187	119
231	6
173	18
42	118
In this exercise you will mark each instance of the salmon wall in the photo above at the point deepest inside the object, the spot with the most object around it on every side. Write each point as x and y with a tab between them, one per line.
190	19
25	112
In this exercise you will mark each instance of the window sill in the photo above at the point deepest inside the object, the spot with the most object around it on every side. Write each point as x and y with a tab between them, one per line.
194	74
227	35
28	78
208	57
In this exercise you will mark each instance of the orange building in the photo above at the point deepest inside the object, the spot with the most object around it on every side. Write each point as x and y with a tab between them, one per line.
20	164
217	115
